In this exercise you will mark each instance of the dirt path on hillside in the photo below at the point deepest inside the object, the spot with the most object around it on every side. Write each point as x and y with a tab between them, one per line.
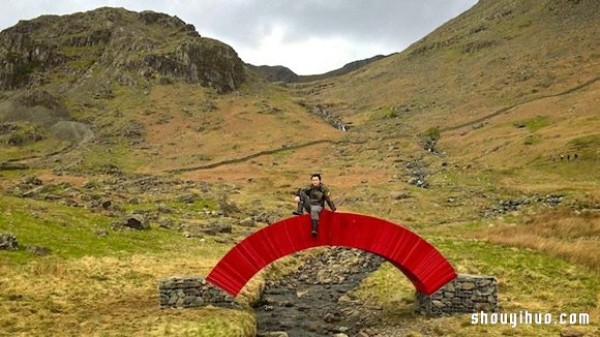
251	156
508	108
314	300
63	150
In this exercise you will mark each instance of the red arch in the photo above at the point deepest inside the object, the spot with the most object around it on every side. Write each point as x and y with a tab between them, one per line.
416	258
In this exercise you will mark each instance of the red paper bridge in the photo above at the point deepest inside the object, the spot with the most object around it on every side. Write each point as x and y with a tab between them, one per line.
416	258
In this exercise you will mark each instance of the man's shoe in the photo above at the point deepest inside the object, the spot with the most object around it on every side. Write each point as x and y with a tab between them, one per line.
315	226
299	210
314	233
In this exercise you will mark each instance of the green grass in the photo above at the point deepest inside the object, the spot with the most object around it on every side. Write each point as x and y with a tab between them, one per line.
534	124
70	232
581	170
98	158
387	112
126	99
197	205
528	280
214	324
101	285
532	139
39	148
17	174
586	142
523	272
81	58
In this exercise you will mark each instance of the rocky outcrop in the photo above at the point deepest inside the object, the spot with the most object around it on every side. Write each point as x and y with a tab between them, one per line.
275	73
130	47
23	58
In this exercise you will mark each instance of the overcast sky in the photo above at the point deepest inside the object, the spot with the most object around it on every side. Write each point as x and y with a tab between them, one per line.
307	36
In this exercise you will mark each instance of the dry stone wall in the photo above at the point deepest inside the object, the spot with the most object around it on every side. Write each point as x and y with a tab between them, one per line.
465	294
192	291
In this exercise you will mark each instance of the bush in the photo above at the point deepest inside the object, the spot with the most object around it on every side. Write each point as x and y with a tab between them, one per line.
433	133
430	138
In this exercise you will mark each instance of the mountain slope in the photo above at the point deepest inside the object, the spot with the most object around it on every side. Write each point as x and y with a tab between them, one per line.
143	88
286	75
476	78
496	54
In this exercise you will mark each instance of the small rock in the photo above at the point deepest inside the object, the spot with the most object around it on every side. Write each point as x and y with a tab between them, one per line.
136	222
330	318
438	304
33	181
468	286
247	222
369	332
162	208
217	229
8	242
38	250
188	198
106	204
166	223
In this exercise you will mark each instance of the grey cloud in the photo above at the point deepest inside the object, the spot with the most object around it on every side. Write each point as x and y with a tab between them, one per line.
384	20
392	24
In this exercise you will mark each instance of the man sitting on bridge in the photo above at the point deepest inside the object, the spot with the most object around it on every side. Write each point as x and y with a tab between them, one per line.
313	198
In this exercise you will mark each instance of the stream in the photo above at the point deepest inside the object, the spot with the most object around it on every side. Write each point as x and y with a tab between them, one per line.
316	299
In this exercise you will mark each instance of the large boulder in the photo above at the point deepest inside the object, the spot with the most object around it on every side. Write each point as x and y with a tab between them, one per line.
74	132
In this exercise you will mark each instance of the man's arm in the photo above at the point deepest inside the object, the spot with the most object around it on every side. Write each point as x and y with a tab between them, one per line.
301	194
328	200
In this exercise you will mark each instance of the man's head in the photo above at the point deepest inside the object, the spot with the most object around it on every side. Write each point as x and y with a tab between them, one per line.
315	179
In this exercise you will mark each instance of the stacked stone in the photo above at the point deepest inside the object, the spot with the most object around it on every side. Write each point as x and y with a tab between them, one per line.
192	291
465	294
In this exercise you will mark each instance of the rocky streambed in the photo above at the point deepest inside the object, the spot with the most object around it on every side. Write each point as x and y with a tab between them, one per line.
316	299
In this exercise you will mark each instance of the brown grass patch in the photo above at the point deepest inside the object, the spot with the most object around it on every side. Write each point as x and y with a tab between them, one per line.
50	177
111	296
574	237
